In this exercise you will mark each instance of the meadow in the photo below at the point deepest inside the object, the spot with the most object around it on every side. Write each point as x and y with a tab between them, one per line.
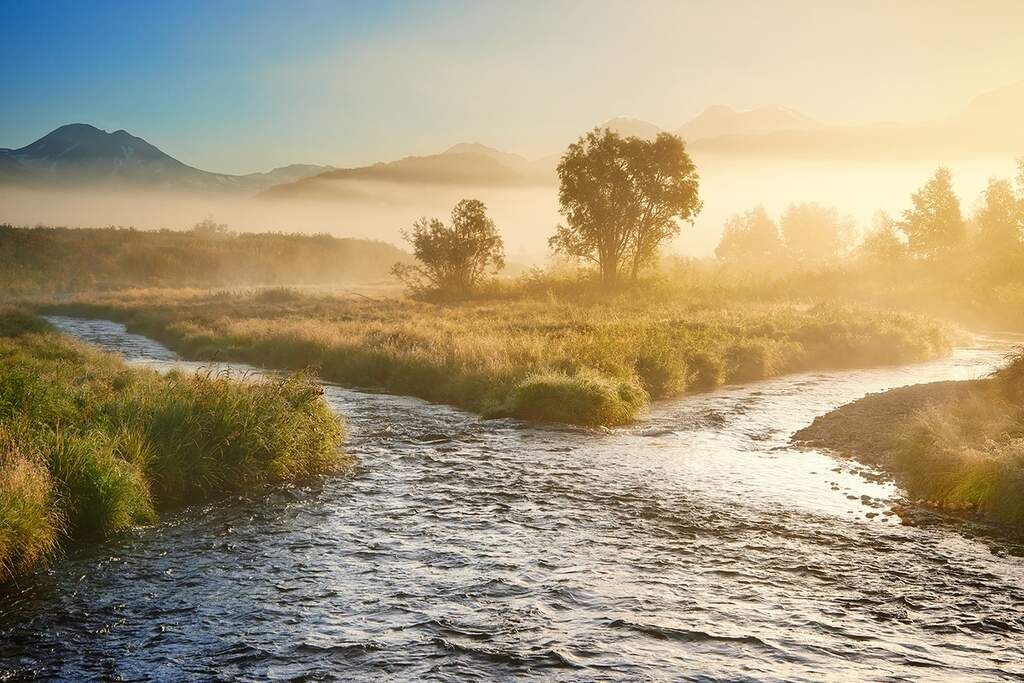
562	353
60	260
90	446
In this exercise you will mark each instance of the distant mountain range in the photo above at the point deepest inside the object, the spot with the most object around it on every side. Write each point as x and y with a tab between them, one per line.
82	155
720	120
79	154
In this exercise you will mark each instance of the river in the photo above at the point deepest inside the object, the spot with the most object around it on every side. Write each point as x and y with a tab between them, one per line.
694	545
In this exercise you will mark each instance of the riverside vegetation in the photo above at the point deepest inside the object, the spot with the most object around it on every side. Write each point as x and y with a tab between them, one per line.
521	353
956	446
90	446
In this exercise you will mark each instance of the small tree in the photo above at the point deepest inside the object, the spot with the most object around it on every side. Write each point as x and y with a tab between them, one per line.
813	232
211	228
453	259
999	219
934	224
750	238
883	243
622	198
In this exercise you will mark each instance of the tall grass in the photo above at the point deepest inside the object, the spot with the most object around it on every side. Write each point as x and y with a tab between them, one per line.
583	361
968	453
89	446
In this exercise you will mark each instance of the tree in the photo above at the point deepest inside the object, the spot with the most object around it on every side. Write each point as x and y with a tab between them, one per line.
453	259
999	220
883	243
211	228
934	225
750	238
813	232
622	198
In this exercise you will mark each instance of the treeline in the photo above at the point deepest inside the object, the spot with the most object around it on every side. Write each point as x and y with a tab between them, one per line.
934	256
54	260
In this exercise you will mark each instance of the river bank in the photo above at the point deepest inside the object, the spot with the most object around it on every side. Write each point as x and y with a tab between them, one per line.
954	446
694	542
598	363
90	446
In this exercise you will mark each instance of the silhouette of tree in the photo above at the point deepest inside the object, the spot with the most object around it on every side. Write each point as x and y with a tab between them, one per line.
813	232
934	224
622	198
750	238
453	259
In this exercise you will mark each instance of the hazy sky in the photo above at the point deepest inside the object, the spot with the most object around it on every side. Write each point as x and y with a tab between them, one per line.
239	86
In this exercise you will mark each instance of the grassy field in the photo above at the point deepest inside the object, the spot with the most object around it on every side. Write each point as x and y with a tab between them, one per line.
90	446
588	361
58	260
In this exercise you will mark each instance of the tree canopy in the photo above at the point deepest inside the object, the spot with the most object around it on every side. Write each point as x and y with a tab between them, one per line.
453	259
934	224
622	198
813	232
750	237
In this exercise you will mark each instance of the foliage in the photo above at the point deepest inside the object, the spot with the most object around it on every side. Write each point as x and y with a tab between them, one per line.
883	244
622	198
662	338
56	260
934	224
89	446
750	238
453	259
813	232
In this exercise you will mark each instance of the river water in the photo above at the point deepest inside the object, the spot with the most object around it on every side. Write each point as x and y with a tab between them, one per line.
694	545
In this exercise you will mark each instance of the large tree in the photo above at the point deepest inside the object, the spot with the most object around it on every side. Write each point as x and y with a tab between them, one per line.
453	259
934	224
750	238
813	232
622	198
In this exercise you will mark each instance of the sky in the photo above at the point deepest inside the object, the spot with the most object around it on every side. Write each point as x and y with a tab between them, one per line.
239	86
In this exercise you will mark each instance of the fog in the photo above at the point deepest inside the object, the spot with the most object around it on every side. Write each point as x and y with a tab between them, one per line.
526	216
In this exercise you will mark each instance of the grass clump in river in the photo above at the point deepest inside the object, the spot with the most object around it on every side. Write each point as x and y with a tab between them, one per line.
589	361
90	446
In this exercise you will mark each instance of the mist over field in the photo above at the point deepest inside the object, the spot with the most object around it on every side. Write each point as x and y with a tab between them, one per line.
570	340
525	216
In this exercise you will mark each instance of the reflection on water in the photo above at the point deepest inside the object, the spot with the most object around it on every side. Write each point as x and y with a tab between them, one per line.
694	544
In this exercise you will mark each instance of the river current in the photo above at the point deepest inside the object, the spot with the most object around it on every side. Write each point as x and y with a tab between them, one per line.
693	545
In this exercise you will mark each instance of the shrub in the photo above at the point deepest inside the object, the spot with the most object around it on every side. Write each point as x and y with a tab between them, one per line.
585	399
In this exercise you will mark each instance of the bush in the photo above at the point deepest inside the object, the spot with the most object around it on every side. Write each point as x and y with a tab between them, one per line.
585	399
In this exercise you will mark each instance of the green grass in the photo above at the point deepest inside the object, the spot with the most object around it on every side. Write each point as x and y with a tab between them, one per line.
90	446
589	361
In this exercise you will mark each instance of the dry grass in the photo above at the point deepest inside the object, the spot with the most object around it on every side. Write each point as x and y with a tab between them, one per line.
488	355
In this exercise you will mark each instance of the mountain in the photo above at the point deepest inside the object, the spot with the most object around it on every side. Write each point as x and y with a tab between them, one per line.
464	165
82	155
722	120
989	126
628	126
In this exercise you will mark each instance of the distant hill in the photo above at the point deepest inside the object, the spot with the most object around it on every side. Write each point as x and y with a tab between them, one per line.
721	120
463	165
82	155
990	126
